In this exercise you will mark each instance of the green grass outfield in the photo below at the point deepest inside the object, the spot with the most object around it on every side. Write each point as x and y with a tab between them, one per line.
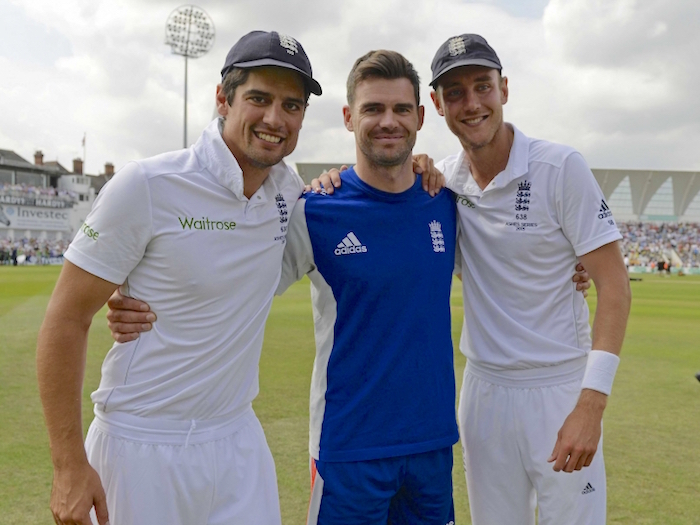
652	424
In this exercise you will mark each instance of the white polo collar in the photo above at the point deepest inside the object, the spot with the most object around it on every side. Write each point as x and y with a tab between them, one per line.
214	155
517	166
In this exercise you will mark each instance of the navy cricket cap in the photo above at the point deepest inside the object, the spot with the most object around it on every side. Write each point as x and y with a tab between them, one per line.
463	50
262	48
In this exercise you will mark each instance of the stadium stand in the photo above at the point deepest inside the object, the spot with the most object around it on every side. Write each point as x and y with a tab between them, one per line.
658	212
42	205
21	252
25	190
646	243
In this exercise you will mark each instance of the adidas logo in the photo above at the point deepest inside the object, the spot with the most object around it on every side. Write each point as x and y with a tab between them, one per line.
604	211
350	244
589	488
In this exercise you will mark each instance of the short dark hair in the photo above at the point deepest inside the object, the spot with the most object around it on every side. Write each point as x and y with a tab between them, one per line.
238	76
385	64
234	78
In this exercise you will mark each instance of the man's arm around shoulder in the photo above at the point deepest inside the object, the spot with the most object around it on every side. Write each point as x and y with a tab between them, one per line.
61	354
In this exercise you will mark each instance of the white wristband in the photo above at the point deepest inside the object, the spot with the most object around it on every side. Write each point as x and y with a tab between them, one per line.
600	371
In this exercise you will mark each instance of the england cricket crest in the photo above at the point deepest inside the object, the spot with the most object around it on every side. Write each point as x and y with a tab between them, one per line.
456	46
283	215
436	236
522	197
522	207
288	43
281	208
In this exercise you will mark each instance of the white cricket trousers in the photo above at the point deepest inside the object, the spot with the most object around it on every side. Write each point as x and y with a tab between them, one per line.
213	472
508	423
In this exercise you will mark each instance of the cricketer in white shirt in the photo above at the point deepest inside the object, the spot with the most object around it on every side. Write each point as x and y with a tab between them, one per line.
199	234
537	379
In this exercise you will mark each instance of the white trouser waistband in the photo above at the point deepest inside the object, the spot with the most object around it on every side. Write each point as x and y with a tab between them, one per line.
530	377
171	432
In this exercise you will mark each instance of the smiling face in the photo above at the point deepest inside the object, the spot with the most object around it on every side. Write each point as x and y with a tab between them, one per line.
471	99
385	118
262	122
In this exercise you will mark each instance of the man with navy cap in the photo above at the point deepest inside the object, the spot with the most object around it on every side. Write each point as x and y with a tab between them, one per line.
537	380
175	439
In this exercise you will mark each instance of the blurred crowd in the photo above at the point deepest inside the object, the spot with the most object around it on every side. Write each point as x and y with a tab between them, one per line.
31	251
24	190
646	243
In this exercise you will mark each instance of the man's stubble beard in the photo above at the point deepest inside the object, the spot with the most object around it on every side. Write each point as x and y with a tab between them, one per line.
261	161
475	146
386	161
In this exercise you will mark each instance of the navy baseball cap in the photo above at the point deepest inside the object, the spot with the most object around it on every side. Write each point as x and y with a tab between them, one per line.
262	48
463	50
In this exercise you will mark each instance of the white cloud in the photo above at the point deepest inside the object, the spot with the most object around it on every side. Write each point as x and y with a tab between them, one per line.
630	76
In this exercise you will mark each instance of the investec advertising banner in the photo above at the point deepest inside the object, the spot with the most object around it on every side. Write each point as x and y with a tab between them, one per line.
24	213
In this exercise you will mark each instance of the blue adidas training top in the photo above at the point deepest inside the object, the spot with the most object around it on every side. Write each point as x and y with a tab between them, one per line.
381	270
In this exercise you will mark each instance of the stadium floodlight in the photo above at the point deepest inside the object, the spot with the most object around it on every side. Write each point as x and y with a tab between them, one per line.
189	32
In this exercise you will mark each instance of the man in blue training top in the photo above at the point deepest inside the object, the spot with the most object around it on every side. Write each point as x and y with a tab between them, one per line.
382	394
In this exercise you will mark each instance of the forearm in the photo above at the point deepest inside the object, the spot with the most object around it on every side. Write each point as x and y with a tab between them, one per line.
612	312
61	352
593	401
608	334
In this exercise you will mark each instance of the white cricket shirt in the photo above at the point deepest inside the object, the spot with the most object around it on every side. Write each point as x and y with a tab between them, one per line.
178	231
520	239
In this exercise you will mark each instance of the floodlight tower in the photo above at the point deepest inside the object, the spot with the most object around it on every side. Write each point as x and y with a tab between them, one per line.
189	32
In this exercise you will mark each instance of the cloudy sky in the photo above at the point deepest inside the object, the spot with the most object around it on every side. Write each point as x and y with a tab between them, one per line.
617	79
